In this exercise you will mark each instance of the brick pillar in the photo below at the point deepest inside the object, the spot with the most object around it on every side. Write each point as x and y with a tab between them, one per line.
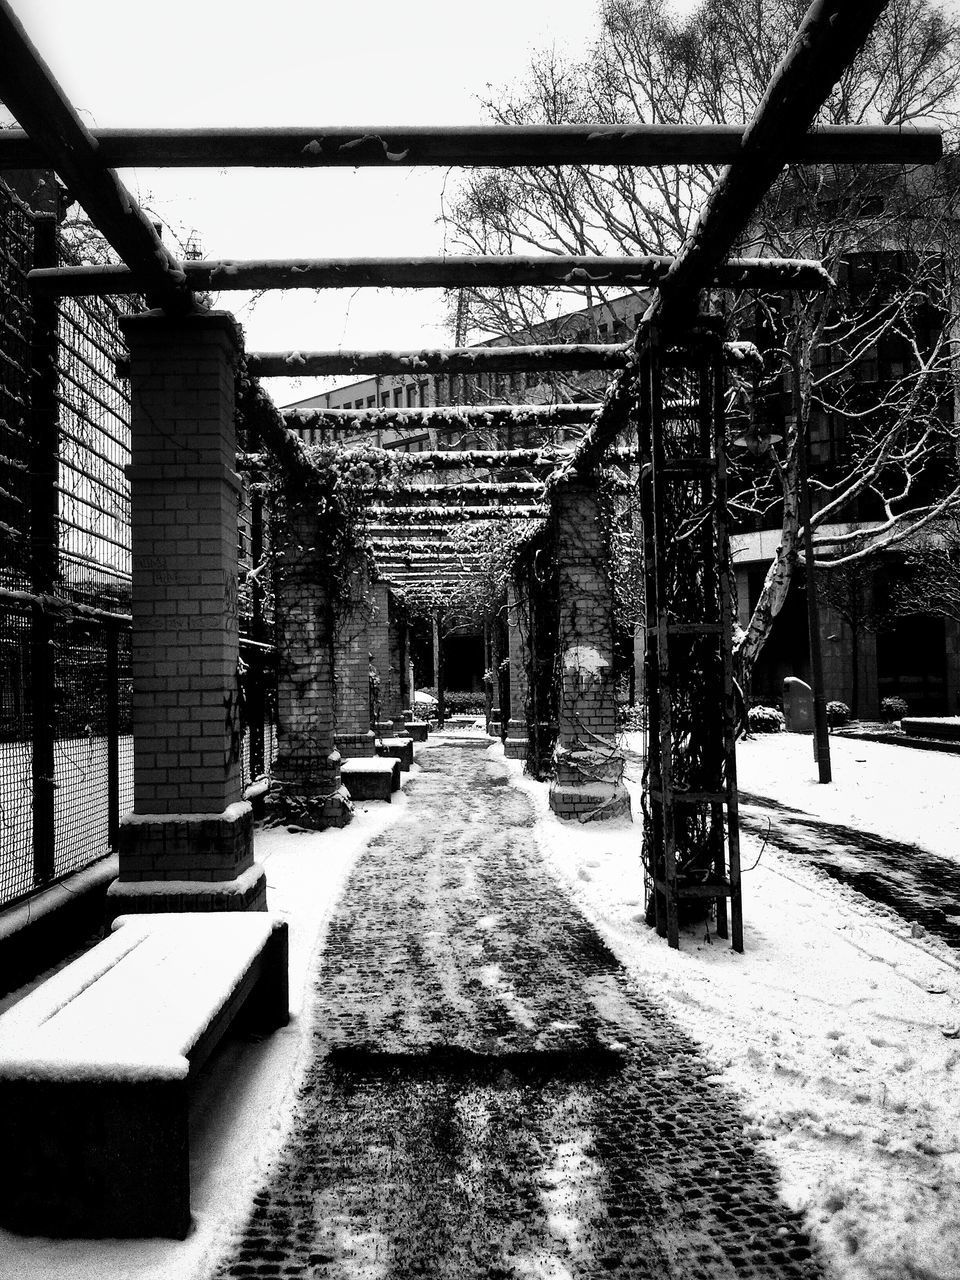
188	845
589	767
387	647
306	777
351	670
515	743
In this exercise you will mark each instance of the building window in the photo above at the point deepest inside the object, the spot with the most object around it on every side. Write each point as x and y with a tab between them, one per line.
397	397
411	395
423	395
371	401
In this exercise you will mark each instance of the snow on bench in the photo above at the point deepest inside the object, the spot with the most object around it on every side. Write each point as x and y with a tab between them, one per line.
370	777
95	1066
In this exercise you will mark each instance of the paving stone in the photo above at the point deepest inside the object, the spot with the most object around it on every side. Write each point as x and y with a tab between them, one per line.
490	1094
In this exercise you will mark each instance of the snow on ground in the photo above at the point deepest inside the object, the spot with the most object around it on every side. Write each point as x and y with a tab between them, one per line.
239	1115
901	792
837	1028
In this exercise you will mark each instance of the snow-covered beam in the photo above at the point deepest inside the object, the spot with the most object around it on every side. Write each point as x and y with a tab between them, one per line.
558	357
491	145
436	516
431	273
62	142
526	490
829	37
448	418
398	543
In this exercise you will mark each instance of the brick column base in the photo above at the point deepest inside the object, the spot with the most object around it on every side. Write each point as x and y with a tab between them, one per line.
351	745
188	862
515	743
308	793
588	788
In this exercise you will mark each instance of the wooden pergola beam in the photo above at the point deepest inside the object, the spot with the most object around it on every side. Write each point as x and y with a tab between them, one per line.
445	418
830	35
431	515
469	489
560	357
473	272
62	142
496	146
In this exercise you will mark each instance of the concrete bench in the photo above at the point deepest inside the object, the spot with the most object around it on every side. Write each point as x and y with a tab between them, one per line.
96	1064
397	749
370	777
418	730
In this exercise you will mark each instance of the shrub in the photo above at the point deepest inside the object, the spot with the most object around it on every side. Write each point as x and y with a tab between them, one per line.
456	700
893	709
765	720
837	713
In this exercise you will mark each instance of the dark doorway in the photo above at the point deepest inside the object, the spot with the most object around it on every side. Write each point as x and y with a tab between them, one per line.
912	664
463	663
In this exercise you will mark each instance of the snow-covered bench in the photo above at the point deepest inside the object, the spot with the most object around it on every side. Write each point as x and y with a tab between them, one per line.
96	1063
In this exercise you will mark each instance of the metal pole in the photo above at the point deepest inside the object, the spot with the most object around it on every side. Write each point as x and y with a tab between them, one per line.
821	732
113	737
44	554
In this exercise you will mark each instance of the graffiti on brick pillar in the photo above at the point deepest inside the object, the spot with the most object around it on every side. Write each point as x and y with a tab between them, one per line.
230	599
586	664
234	709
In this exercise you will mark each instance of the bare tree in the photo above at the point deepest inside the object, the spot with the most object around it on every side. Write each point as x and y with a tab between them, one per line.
850	589
865	375
930	583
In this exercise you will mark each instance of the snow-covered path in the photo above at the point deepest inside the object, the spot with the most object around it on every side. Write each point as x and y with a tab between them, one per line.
834	1040
490	1095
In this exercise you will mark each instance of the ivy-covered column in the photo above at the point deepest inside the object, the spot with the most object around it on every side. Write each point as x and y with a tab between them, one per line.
589	782
388	652
306	776
188	844
351	666
515	743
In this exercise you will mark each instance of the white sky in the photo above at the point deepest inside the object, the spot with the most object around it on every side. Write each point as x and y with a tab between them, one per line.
296	62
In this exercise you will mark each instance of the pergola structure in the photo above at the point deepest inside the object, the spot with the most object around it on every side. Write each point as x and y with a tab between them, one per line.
665	387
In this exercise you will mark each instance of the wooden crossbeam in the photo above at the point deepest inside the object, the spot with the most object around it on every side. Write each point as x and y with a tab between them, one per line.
62	141
560	357
485	460
448	417
399	543
830	35
431	273
524	489
490	146
827	40
493	146
431	515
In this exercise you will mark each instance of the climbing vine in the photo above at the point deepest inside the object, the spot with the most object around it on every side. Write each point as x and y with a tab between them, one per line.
328	492
487	555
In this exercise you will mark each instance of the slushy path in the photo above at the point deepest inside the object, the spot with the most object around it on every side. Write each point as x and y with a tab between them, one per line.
490	1095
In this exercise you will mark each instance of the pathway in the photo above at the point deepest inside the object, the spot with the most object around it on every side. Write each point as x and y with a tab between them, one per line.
490	1095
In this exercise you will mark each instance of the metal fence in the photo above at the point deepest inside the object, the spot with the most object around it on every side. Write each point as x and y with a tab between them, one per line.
66	750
